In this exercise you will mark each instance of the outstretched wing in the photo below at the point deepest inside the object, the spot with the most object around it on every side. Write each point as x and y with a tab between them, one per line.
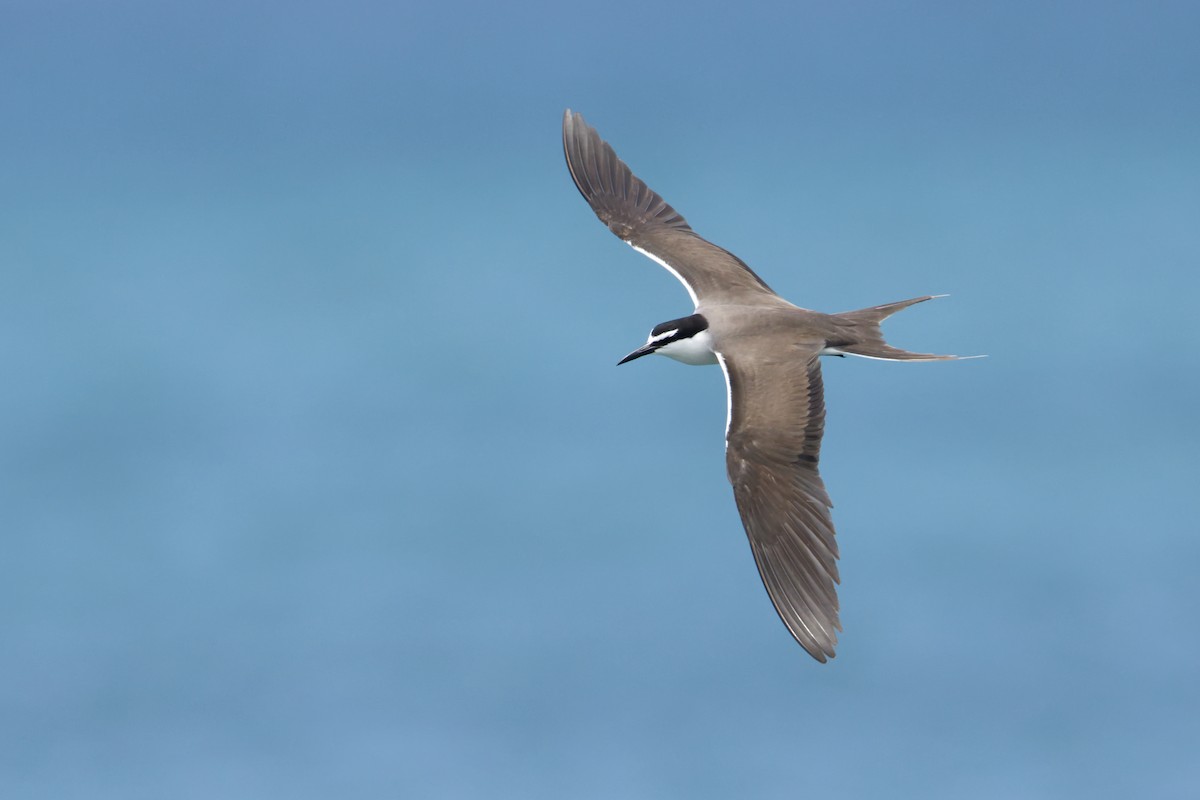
641	218
773	444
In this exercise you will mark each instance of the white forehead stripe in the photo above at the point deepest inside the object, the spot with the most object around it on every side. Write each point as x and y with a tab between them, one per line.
663	335
668	268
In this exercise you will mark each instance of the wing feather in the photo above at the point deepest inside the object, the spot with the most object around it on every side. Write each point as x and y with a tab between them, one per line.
773	443
641	218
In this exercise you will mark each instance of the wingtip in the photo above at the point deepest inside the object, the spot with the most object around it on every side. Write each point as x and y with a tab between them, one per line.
823	654
568	123
572	118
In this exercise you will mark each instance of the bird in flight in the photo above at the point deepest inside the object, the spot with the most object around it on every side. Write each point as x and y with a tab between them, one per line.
769	351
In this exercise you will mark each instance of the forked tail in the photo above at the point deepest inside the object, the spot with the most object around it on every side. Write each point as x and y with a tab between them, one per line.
863	336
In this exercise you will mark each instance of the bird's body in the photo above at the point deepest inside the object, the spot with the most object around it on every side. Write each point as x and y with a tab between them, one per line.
769	351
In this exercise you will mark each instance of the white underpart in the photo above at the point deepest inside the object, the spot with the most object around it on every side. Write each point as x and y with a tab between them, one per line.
695	350
728	397
670	269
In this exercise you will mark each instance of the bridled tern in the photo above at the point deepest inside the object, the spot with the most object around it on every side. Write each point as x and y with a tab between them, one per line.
769	351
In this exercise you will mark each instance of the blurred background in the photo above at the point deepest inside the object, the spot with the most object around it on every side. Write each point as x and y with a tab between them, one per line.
317	478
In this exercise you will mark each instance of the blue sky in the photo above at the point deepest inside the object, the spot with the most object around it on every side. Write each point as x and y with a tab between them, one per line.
317	478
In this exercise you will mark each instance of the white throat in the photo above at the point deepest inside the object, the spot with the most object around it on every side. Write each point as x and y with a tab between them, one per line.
696	350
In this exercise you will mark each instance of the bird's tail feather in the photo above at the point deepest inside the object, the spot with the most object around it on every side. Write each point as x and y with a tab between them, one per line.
865	337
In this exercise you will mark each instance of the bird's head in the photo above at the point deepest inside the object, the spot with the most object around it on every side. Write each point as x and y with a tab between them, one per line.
685	339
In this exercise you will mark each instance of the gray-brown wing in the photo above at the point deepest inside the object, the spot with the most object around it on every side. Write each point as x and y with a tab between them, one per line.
640	217
773	444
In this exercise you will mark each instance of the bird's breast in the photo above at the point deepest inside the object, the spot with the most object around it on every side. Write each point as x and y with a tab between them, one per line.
696	350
